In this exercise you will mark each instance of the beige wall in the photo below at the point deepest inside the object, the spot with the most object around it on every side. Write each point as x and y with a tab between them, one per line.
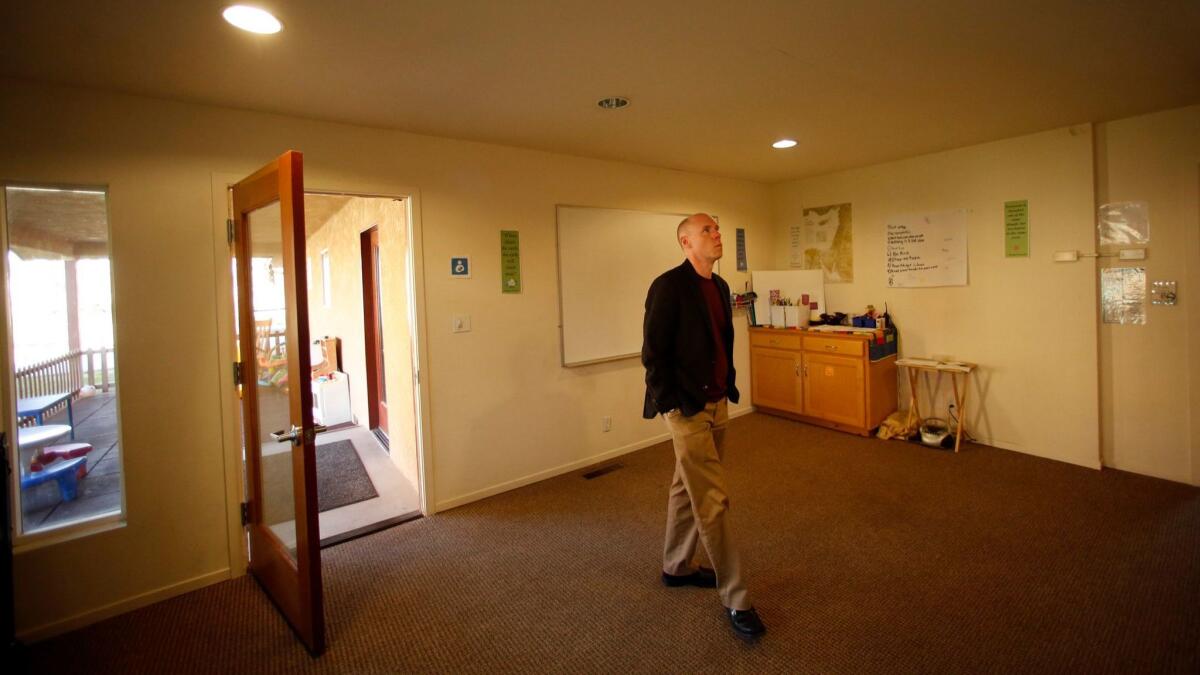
1150	374
1030	323
344	317
503	411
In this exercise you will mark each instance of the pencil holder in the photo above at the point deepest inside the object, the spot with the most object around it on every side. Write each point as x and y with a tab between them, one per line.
777	316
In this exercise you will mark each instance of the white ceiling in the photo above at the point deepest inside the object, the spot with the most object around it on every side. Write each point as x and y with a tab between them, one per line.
713	82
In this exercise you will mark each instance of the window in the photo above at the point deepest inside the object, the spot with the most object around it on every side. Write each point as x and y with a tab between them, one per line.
60	325
326	279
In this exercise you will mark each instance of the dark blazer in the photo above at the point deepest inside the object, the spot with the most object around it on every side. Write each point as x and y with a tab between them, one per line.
677	343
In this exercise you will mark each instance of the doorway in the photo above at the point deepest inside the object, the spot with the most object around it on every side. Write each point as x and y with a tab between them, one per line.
362	324
367	484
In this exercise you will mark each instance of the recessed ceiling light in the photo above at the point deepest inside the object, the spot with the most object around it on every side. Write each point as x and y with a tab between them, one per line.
252	19
784	143
613	102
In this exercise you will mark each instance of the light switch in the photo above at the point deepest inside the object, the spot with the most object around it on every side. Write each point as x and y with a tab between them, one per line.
461	323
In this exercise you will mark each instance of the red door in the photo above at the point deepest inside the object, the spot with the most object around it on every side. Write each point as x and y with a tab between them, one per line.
373	330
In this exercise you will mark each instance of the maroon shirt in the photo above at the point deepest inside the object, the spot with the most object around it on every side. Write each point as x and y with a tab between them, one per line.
716	310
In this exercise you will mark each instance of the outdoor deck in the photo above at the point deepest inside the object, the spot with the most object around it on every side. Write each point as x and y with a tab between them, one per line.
100	490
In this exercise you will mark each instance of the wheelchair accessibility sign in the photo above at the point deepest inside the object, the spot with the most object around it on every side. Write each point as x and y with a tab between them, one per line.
460	267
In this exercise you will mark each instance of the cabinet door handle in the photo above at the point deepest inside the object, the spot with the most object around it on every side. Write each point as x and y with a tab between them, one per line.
797	370
829	348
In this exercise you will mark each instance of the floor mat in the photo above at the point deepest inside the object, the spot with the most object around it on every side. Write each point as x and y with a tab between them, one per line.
341	477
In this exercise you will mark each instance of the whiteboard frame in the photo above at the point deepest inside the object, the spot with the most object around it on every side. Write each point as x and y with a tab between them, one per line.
562	338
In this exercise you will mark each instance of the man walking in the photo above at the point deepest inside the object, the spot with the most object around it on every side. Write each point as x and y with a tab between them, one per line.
687	350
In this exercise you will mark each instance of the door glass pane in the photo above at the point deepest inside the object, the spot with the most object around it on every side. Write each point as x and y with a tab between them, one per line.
270	381
68	450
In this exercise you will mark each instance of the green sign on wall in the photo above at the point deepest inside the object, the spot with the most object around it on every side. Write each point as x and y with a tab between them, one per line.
1016	229
510	261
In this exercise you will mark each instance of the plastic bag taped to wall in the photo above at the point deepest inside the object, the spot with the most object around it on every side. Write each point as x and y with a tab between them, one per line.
1123	223
1123	294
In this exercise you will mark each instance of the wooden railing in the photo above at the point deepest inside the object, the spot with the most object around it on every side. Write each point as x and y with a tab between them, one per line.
68	373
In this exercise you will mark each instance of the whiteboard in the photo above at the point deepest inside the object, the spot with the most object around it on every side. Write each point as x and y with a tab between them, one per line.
927	250
606	261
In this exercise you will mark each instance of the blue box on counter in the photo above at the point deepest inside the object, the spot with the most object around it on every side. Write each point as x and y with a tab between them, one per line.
878	351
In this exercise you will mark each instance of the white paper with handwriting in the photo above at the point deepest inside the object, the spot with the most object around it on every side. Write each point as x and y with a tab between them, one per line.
927	250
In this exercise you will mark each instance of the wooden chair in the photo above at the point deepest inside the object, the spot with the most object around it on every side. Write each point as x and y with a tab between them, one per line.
270	354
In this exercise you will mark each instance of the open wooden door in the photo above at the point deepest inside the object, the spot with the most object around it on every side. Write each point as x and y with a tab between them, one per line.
277	420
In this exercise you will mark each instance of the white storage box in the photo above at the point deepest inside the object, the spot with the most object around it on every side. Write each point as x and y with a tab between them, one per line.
331	399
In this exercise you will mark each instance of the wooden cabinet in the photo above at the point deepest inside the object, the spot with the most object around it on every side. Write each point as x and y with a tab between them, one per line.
823	378
775	379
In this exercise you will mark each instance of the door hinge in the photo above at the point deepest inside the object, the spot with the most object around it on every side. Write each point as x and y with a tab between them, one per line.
245	513
237	373
229	230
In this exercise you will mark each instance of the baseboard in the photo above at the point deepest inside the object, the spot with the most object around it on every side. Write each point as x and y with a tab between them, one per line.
54	628
1004	445
565	468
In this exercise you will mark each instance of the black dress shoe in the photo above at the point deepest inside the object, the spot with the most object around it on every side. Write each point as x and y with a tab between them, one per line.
701	578
745	621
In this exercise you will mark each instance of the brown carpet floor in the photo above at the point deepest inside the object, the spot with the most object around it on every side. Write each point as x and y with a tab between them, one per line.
863	556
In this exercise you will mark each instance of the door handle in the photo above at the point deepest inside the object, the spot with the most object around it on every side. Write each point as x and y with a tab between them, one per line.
290	436
295	434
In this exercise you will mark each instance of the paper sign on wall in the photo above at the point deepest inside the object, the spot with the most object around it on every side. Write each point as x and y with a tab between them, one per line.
1123	295
510	261
1016	229
795	246
927	250
741	249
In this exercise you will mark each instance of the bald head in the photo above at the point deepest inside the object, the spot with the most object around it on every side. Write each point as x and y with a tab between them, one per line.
692	224
699	236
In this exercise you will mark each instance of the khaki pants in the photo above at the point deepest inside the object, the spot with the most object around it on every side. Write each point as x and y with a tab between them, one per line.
698	501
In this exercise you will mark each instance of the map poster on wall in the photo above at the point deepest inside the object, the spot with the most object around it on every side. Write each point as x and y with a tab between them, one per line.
927	250
827	243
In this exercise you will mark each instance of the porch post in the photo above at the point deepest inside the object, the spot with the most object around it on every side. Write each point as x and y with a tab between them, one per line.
74	373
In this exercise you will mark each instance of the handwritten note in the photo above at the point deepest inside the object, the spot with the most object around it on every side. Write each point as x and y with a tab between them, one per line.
927	250
795	245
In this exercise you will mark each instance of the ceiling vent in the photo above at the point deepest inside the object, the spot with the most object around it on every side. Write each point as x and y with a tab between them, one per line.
613	102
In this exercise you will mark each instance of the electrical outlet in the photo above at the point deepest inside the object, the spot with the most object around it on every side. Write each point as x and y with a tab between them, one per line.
606	423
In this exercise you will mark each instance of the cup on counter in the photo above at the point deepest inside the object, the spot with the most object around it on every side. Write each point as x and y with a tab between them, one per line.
791	316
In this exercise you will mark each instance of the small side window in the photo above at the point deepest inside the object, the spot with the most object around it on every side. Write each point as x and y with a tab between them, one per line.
67	454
